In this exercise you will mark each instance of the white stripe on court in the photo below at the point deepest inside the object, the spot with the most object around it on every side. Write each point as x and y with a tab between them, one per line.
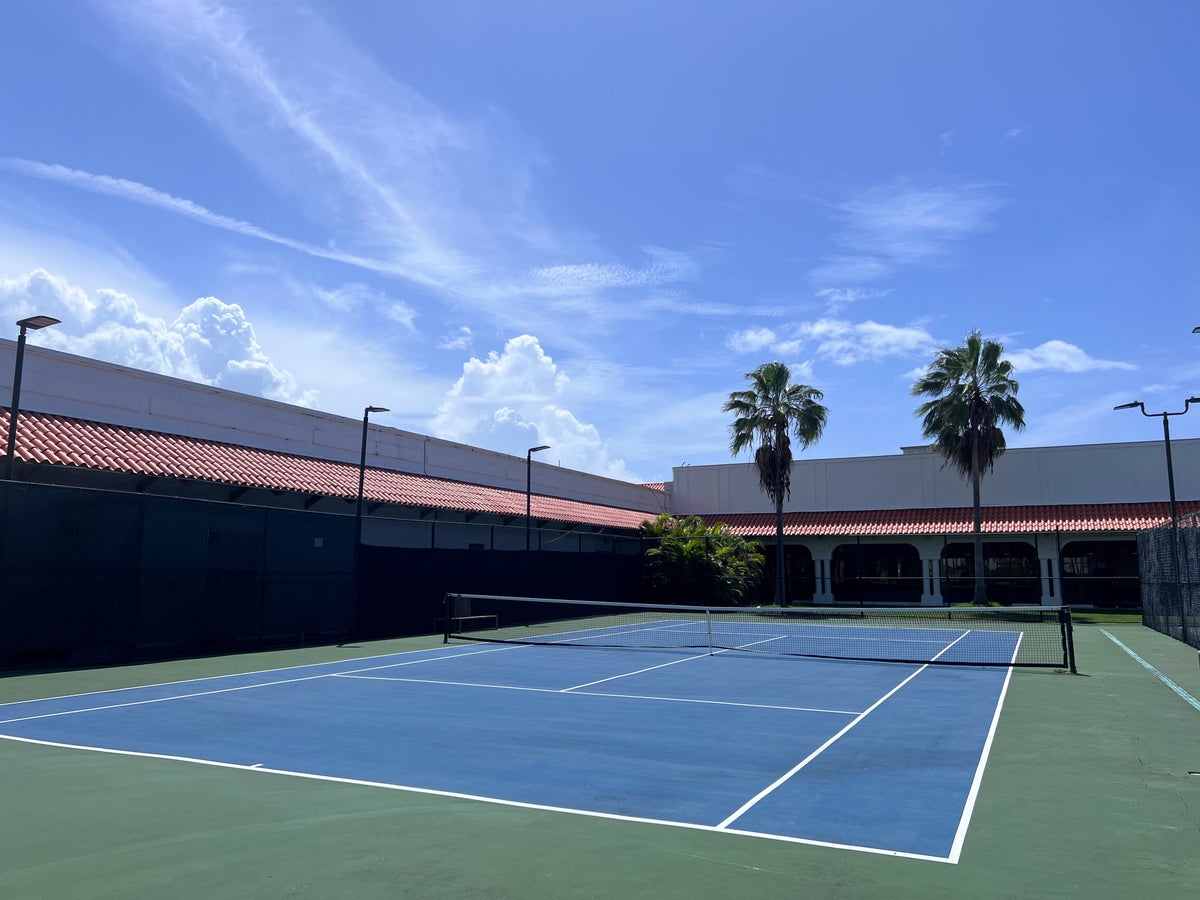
575	693
1157	674
784	778
310	665
960	835
260	768
228	690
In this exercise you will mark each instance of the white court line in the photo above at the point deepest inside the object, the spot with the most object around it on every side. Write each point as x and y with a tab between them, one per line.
673	662
311	665
960	834
783	779
229	690
260	768
574	693
1157	674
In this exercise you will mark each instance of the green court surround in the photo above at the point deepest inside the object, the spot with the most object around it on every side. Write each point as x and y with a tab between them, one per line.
1087	794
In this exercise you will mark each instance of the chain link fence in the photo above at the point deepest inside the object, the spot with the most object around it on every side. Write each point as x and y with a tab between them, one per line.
1169	567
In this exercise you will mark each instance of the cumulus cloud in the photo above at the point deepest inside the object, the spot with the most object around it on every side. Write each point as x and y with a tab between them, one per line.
515	399
1059	356
751	340
210	341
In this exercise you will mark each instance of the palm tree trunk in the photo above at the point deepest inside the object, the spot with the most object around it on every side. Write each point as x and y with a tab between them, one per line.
980	590
780	586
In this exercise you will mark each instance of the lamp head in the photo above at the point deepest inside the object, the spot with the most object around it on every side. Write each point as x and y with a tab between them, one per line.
36	322
1134	405
538	449
371	409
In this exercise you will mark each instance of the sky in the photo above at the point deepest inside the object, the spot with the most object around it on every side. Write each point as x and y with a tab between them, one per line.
581	224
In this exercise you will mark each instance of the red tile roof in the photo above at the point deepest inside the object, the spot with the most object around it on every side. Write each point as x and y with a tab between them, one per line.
59	440
1124	517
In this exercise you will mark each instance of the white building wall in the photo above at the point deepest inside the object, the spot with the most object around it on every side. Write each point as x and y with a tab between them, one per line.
68	385
918	479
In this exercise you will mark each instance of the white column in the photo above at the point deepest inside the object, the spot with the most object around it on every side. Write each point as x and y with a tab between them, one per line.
931	569
931	580
823	570
1051	579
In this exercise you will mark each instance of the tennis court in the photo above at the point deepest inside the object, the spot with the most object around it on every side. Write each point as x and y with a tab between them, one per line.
882	757
1086	790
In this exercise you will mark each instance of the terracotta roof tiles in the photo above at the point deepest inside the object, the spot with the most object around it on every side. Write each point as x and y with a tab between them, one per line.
59	440
1111	517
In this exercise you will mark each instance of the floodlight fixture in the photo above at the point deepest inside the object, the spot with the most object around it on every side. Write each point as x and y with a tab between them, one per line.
14	413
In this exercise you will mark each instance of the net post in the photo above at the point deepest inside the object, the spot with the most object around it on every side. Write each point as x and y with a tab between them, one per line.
447	606
708	623
1064	620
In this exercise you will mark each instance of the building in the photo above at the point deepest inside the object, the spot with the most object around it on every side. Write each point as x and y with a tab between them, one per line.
229	496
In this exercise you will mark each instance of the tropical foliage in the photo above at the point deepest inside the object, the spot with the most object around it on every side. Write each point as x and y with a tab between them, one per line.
692	564
767	416
973	393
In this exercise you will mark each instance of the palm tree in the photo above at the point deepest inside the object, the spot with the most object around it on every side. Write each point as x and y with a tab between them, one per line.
766	414
973	394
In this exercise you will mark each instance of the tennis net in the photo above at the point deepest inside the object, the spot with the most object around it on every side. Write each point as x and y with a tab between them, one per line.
978	636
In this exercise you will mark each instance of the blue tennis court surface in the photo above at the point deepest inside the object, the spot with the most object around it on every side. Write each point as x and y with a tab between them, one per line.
879	757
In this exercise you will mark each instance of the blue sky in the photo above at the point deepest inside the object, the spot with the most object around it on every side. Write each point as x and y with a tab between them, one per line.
580	224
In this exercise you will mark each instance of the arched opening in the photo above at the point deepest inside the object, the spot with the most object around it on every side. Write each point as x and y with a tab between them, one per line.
1101	573
1010	572
800	579
876	573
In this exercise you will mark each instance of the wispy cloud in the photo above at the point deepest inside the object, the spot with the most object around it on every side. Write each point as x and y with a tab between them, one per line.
457	340
148	196
662	267
1014	133
904	223
837	298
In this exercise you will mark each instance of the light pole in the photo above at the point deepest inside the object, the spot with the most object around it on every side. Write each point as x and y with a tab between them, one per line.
1166	420
358	509
33	322
362	465
529	485
1138	404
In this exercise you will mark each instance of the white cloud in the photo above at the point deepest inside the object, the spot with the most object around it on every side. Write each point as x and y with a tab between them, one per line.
1059	356
835	298
515	399
457	340
148	196
354	296
209	341
841	341
751	340
845	343
1013	133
